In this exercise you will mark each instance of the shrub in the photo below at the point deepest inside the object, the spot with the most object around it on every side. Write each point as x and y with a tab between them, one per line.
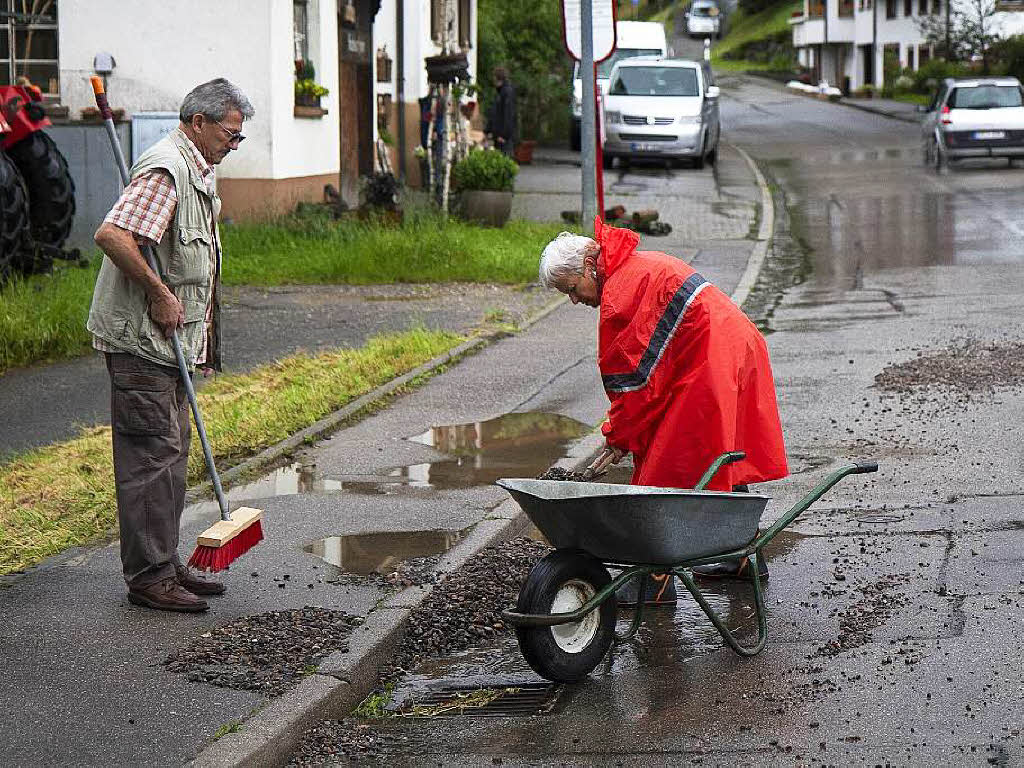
931	73
485	169
1009	56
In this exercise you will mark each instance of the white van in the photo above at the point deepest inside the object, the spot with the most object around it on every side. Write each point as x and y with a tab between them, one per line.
633	38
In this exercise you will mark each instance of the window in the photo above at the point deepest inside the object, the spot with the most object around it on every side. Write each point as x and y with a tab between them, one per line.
936	7
656	81
28	44
910	57
300	17
908	8
890	9
845	9
985	97
922	7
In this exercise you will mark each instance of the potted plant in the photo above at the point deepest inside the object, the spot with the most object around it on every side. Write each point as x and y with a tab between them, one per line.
307	91
484	179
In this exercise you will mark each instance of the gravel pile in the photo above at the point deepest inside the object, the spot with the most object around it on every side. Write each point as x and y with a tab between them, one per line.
557	473
268	652
337	741
968	365
466	607
414	571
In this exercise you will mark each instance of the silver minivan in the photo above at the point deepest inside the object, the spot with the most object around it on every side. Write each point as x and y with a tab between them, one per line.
975	117
663	108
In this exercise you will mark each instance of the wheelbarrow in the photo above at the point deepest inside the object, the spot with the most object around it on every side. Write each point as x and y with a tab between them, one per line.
566	614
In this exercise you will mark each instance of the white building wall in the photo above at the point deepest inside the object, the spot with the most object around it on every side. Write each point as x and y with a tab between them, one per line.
164	49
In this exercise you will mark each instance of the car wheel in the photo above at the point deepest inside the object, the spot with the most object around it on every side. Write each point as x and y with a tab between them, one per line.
713	155
936	156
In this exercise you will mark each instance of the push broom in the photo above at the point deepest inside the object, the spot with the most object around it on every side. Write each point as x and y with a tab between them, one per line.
235	533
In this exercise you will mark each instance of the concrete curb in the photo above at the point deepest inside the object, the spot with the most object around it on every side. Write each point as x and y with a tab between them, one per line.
331	422
880	112
764	234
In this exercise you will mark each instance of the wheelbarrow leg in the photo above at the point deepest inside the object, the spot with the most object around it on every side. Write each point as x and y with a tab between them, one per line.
638	614
724	631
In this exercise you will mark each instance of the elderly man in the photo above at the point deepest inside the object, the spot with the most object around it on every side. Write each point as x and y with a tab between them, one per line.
687	374
172	204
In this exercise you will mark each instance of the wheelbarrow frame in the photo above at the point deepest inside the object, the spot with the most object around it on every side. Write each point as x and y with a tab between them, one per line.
751	551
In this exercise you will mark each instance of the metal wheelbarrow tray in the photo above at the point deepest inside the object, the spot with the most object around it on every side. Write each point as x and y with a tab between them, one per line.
566	613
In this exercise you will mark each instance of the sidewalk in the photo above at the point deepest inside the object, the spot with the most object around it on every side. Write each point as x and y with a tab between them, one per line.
897	110
86	679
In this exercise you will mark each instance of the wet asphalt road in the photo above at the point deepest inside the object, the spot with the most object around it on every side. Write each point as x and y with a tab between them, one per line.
895	603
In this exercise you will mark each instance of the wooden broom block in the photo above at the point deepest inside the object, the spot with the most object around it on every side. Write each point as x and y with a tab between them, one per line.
223	531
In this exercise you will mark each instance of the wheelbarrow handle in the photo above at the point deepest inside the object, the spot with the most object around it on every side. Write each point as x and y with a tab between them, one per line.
730	457
858	468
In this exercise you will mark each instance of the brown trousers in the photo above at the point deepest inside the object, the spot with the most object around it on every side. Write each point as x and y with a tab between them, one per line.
149	414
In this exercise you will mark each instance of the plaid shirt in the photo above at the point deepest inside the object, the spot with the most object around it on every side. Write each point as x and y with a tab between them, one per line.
146	209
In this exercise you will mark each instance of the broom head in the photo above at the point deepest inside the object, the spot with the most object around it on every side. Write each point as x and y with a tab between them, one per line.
227	540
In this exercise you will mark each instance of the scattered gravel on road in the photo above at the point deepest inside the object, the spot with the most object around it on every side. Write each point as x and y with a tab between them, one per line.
463	609
268	652
968	365
412	572
466	607
877	601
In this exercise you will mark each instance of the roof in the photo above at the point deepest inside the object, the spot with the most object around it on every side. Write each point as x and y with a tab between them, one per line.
641	61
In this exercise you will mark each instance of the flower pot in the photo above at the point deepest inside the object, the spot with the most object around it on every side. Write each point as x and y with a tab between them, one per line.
306	100
524	151
447	68
485	207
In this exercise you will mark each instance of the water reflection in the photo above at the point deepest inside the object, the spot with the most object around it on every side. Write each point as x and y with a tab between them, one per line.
368	553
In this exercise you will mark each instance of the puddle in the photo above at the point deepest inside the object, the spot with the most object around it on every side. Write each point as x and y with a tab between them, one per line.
367	553
513	445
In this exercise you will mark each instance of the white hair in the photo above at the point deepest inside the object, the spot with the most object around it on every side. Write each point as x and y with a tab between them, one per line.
563	257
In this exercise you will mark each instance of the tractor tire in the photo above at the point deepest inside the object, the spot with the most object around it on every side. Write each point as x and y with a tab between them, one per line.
51	190
14	222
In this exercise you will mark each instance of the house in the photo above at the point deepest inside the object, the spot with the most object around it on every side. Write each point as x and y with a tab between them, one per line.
368	54
846	42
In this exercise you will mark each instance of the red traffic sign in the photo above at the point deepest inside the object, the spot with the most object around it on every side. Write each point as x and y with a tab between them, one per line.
603	15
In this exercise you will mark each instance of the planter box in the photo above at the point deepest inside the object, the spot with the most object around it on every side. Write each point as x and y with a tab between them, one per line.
523	152
491	209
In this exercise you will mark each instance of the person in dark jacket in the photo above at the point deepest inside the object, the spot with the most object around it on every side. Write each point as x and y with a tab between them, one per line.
501	118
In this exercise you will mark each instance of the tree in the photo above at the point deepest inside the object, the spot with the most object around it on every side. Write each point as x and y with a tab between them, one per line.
966	35
525	37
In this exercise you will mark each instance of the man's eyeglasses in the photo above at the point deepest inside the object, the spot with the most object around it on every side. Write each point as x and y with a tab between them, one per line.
232	135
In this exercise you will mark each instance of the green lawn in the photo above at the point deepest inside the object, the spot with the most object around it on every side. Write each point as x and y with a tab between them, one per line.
42	317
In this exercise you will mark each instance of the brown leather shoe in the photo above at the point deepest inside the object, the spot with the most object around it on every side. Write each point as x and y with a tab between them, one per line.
195	585
167	595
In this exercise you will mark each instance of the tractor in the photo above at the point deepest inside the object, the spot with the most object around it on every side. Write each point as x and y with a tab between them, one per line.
37	193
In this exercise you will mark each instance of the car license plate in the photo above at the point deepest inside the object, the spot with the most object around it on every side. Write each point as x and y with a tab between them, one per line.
638	147
989	135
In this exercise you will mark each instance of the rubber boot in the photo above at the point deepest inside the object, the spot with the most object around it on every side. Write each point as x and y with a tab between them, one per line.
658	590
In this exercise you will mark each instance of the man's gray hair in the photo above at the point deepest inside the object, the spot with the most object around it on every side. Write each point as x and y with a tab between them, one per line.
215	99
563	257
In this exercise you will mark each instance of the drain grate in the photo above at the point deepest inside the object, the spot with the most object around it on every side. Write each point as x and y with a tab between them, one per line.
523	700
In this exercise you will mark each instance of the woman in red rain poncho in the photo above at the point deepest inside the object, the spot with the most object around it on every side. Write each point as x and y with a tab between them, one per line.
687	373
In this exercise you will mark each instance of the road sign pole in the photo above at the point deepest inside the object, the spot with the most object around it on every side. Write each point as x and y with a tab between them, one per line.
598	149
588	121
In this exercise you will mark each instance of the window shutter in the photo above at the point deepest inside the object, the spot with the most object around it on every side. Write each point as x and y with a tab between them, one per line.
465	27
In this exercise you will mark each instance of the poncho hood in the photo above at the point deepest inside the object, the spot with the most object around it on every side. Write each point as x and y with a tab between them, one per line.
617	245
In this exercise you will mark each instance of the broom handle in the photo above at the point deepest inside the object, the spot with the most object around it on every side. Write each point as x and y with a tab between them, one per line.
115	145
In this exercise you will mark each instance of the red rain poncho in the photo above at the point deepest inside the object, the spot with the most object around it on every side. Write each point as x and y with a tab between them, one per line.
687	373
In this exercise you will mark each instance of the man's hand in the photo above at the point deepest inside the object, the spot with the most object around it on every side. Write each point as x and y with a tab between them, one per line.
166	310
609	455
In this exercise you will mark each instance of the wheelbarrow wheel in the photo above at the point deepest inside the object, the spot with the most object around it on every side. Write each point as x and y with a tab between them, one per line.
560	583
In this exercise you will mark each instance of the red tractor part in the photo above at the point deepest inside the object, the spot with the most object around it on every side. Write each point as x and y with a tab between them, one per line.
14	226
51	190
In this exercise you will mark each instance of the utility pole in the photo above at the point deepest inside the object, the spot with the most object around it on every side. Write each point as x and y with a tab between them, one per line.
588	137
949	33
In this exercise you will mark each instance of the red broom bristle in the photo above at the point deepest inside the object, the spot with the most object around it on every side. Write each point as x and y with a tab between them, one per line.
214	559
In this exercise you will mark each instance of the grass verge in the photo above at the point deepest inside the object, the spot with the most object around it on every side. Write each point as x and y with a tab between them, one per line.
62	495
42	317
425	248
744	28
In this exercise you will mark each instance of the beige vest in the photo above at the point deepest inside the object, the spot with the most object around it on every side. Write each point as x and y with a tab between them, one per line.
120	310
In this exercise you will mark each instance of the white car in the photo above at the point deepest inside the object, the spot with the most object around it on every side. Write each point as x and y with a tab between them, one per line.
664	108
632	39
705	19
974	117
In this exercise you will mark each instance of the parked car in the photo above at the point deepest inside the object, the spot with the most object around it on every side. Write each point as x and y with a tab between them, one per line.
664	108
632	39
975	117
705	19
